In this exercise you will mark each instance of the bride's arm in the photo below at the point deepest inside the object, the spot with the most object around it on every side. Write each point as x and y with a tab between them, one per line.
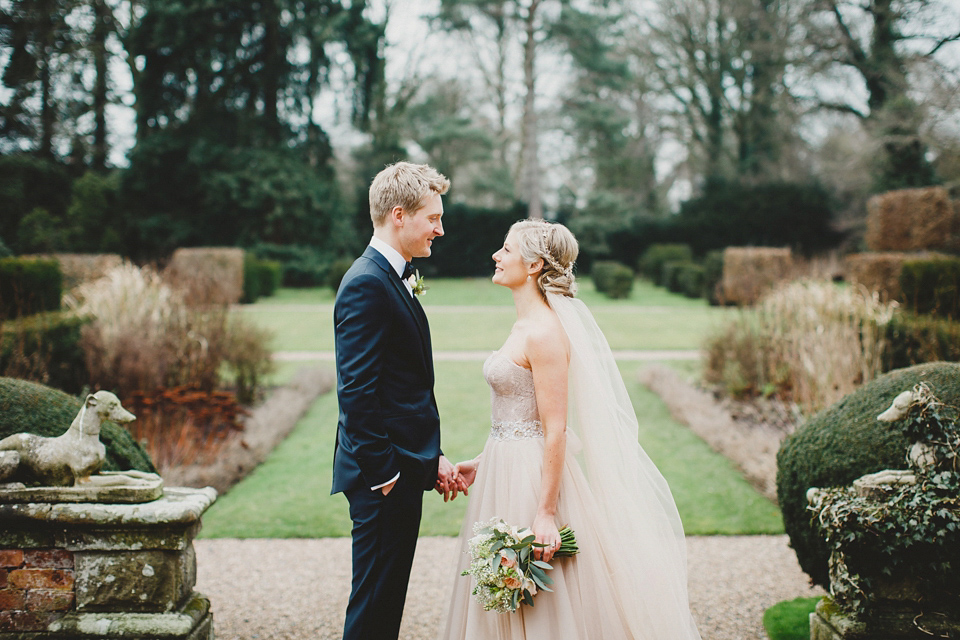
548	354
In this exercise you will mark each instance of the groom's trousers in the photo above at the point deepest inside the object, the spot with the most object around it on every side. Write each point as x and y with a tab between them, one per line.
385	530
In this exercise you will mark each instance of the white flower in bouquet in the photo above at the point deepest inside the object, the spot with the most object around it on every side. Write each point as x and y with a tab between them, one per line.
503	566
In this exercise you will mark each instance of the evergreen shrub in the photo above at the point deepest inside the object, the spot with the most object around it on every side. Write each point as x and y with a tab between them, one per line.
302	266
612	279
45	348
29	286
336	272
657	255
670	275
844	442
261	278
28	407
713	277
690	279
932	286
28	183
915	339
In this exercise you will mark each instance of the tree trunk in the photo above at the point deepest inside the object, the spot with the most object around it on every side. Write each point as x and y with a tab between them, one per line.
103	23
531	161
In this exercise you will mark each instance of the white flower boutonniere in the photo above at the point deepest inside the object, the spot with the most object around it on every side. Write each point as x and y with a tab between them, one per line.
417	284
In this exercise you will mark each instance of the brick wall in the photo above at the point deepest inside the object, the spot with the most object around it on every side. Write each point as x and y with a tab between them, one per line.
36	588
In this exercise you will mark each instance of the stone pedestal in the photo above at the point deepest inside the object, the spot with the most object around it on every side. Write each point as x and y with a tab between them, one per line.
886	623
88	570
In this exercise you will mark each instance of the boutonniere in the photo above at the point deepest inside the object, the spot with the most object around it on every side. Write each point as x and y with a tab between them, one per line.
417	284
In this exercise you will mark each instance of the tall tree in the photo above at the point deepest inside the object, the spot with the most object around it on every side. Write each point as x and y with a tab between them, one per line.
225	98
39	46
530	21
723	65
879	42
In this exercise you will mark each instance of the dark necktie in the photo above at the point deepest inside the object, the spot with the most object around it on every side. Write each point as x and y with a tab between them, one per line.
408	271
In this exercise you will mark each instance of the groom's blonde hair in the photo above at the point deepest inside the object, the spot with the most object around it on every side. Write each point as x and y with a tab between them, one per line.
404	185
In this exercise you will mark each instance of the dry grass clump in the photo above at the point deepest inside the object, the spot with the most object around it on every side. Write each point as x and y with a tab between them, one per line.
207	275
749	272
144	341
912	220
807	342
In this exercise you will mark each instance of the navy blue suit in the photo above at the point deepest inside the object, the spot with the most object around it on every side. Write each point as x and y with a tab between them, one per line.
388	423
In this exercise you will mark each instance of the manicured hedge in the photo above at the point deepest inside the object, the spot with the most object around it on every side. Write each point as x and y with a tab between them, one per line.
29	286
261	278
45	345
657	255
28	407
612	279
713	277
690	280
913	339
844	442
932	286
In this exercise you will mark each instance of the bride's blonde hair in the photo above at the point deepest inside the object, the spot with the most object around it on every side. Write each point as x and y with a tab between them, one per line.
556	246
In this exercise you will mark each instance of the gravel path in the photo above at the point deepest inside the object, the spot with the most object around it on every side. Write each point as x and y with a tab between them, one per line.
297	589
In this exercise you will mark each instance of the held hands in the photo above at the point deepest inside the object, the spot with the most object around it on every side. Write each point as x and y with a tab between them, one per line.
467	473
546	531
448	483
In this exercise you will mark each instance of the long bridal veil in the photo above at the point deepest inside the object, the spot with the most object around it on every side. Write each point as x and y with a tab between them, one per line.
640	522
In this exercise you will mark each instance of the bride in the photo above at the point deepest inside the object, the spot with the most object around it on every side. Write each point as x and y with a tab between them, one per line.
563	451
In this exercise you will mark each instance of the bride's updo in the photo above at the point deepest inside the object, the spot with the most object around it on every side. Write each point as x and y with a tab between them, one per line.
556	246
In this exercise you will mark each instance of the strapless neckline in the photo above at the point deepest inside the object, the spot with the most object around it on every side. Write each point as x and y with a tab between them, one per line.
499	352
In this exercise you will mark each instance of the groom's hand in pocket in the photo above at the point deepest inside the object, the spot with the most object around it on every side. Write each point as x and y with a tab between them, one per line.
387	488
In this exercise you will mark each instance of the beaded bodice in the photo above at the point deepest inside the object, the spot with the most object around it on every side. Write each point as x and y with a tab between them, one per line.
512	399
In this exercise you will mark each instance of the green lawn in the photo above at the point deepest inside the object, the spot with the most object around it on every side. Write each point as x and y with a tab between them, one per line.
650	319
288	496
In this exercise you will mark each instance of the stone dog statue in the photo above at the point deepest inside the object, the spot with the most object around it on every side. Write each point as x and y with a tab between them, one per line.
72	459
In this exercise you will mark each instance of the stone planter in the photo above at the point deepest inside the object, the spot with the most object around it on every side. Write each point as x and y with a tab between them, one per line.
887	623
91	570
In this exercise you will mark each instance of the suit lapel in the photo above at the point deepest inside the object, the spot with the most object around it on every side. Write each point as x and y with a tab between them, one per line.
413	306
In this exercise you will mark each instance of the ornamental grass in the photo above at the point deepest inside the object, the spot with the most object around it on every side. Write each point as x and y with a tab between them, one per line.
168	360
806	342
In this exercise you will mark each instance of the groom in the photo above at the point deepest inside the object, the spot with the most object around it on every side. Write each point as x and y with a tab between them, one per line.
388	436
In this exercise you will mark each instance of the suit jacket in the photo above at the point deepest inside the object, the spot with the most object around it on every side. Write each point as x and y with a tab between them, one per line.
389	421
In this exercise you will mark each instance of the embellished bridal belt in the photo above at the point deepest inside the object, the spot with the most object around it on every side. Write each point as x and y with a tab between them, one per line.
516	430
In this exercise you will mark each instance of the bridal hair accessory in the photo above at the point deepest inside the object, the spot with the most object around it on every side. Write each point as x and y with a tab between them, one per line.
502	562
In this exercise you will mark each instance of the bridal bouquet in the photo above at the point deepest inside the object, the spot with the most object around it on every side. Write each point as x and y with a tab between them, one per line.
502	562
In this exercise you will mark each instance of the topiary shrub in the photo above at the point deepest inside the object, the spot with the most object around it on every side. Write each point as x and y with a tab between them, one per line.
913	339
657	255
337	270
29	286
45	348
261	278
28	407
932	286
844	442
690	279
612	279
713	277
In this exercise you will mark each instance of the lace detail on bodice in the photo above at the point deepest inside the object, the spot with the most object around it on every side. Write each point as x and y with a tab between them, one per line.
512	399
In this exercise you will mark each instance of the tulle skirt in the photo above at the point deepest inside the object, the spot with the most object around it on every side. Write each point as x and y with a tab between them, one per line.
585	602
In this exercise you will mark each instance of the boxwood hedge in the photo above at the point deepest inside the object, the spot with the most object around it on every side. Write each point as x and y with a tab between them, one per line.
28	407
844	442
